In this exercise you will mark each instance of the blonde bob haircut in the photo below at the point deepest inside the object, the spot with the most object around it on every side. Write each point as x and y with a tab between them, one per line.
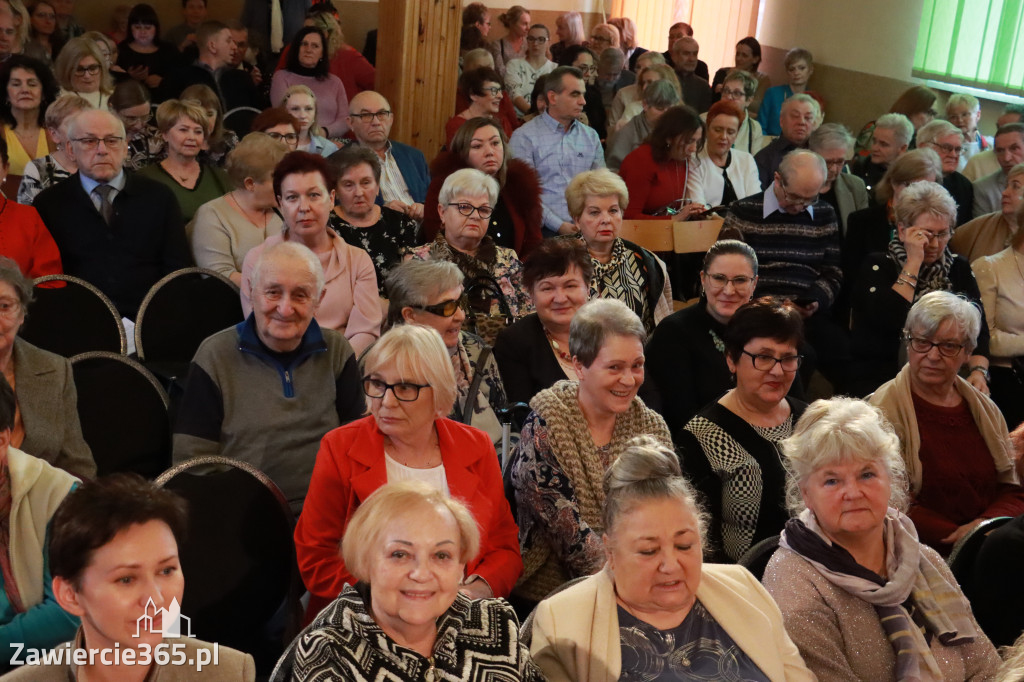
416	354
842	430
173	110
73	52
392	501
64	106
909	167
254	157
596	183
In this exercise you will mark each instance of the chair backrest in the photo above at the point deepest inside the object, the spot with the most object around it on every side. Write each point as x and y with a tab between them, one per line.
240	120
961	558
653	235
526	629
695	236
756	558
238	557
123	411
70	316
181	310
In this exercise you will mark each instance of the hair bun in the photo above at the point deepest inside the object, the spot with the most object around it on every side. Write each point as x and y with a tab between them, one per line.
645	458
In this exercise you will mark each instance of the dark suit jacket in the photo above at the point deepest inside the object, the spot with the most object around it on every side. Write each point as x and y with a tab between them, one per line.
633	57
525	360
144	242
962	191
414	169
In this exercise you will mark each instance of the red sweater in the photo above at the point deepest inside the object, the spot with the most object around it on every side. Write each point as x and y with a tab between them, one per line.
651	184
350	465
25	239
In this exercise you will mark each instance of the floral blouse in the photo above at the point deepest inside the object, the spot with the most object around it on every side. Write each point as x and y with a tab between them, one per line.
387	242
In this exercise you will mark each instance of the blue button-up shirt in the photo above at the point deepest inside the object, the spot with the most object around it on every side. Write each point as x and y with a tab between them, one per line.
558	155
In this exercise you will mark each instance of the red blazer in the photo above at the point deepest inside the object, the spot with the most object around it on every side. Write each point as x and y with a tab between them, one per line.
25	239
350	465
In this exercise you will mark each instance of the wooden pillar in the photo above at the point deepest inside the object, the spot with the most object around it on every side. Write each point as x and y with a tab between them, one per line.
418	67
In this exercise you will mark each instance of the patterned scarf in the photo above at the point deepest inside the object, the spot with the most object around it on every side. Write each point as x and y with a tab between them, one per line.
932	276
623	278
916	603
10	587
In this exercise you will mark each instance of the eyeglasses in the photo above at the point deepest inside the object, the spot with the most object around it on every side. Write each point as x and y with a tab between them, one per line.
48	16
536	39
924	346
940	236
466	209
794	199
766	363
91	143
92	70
9	308
720	281
599	39
587	68
493	91
403	390
133	120
835	163
290	138
444	308
734	94
368	116
948	148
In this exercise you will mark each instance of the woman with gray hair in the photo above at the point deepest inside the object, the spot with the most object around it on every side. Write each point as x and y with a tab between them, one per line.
917	261
58	164
493	274
656	610
575	431
845	192
991	233
430	293
954	439
850	575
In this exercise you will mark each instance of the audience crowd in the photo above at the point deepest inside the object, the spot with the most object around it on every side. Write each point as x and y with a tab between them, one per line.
510	451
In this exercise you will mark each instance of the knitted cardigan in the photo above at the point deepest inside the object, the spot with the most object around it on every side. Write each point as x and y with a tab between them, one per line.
573	448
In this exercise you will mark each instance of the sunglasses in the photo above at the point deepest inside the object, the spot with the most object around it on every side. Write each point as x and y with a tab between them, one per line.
444	308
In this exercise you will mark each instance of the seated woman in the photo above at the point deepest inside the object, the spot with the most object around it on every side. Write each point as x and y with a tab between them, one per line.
350	304
656	610
657	171
533	353
51	169
280	125
221	140
184	127
429	293
917	103
850	575
493	273
27	87
483	88
29	613
114	553
954	440
410	388
748	60
917	261
730	448
622	270
799	67
657	72
81	69
517	216
989	234
385	234
24	237
657	98
225	229
45	420
721	174
374	629
576	430
999	282
522	74
131	103
301	102
308	65
143	55
478	59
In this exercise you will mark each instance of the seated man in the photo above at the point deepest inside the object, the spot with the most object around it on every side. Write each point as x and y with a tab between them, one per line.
696	90
964	111
984	163
657	98
684	30
889	139
801	116
404	176
948	142
267	390
1009	149
117	230
210	68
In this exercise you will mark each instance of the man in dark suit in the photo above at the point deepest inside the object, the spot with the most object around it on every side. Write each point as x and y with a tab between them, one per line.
696	91
121	232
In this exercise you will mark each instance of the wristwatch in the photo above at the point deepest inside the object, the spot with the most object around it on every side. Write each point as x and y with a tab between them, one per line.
982	369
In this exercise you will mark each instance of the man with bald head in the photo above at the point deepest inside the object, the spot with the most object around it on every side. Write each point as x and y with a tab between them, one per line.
795	234
800	116
404	175
119	231
696	91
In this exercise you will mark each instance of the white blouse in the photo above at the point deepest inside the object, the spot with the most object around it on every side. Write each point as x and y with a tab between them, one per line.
705	183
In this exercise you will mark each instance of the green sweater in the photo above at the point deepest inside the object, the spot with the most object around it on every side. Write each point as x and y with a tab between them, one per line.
212	184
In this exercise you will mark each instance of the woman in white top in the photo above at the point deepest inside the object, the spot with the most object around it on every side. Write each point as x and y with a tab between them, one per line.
522	74
722	174
80	68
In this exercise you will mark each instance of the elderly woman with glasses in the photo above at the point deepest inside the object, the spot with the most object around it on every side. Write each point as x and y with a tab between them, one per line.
410	390
730	448
860	595
918	261
81	69
131	103
954	440
59	164
280	125
430	293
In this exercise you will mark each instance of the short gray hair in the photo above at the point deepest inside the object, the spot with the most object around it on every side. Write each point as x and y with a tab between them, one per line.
962	98
468	181
837	430
660	94
803	98
936	129
899	124
415	282
830	136
802	158
750	83
925	197
934	308
612	56
290	251
10	272
73	125
597	320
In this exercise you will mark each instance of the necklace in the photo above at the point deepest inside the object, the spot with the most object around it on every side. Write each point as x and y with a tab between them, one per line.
435	450
555	347
183	179
245	213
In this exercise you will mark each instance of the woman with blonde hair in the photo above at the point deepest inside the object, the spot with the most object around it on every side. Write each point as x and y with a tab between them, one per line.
513	45
569	31
627	29
300	101
220	140
81	69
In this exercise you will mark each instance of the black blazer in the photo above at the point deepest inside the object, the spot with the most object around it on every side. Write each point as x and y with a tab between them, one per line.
525	360
145	240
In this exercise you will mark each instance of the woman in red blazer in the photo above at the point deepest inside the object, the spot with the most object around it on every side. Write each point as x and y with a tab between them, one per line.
410	385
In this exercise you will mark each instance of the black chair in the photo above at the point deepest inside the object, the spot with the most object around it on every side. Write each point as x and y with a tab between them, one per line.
756	558
238	558
178	313
962	558
240	120
123	410
69	316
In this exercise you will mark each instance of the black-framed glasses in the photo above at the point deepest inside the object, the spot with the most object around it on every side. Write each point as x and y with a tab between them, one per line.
466	209
491	91
91	143
92	70
766	363
444	308
720	281
406	391
288	138
948	349
368	116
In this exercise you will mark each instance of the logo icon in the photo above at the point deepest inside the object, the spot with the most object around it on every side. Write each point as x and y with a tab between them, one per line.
170	620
